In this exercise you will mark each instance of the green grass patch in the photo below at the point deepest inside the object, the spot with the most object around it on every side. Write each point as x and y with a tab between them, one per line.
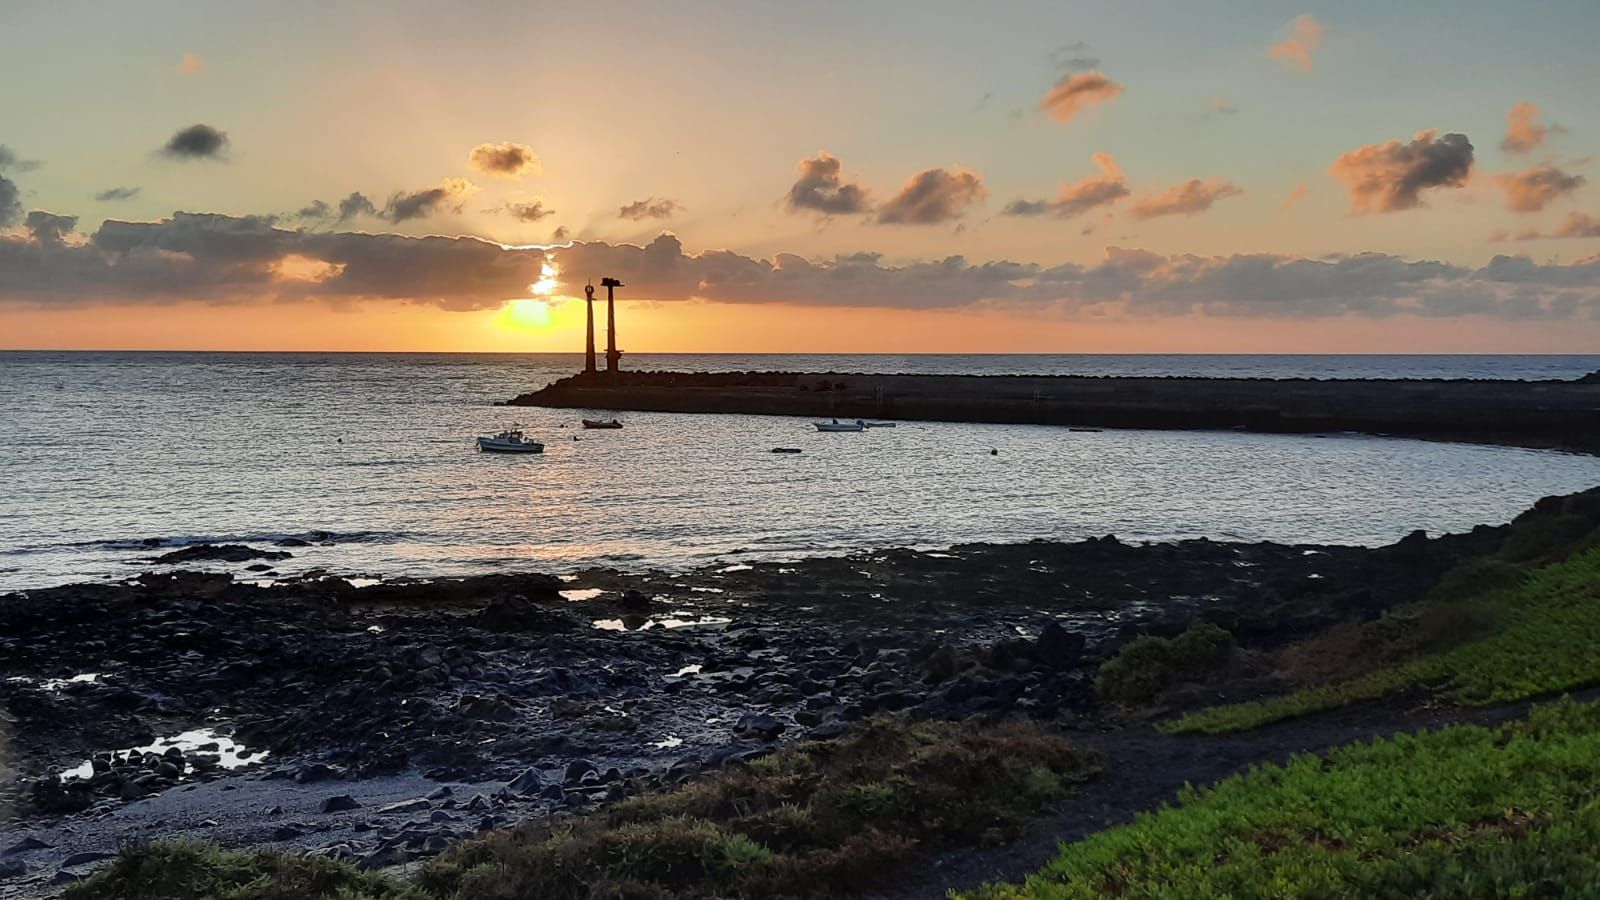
1544	639
1463	812
186	869
816	819
1148	665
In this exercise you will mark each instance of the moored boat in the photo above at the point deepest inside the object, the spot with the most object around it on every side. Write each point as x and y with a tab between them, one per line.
596	423
509	441
838	426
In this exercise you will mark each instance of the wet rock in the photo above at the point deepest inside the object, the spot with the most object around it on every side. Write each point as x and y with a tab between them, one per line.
577	769
339	803
317	772
286	833
218	553
529	782
516	613
83	859
26	845
13	868
404	806
442	793
828	730
1058	648
486	709
759	726
635	601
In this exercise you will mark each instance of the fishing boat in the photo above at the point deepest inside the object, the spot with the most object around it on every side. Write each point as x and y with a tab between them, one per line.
596	423
838	426
510	441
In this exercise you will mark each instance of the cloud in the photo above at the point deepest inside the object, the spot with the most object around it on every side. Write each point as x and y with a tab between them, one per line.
1305	36
315	210
1076	199
529	211
9	160
49	228
821	188
196	142
561	233
933	196
191	65
1523	132
649	208
219	259
10	202
354	205
1392	176
1077	92
1535	188
506	159
1193	196
1296	194
1575	225
448	196
117	193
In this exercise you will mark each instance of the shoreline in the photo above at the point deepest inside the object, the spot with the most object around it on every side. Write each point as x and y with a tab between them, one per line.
1552	415
443	708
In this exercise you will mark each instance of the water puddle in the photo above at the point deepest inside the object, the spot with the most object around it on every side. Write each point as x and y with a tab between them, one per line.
668	742
736	567
641	623
708	590
577	594
230	753
55	685
693	669
363	582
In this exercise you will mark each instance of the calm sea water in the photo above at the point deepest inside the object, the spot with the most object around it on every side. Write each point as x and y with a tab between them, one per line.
99	451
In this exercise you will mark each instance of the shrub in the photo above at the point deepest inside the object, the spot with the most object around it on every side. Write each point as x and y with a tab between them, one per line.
186	869
1149	665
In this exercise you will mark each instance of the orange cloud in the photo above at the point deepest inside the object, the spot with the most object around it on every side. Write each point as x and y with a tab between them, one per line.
823	188
1297	194
1575	225
1076	92
191	65
507	159
1304	38
1193	196
1534	189
1523	132
1076	199
1392	176
933	196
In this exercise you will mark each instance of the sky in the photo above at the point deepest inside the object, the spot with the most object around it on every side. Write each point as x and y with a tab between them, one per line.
1159	176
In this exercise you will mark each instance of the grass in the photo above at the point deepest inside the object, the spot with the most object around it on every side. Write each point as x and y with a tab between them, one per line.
1146	666
188	869
814	820
1462	812
1545	638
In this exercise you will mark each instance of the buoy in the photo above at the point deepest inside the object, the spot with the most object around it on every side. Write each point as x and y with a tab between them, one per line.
994	452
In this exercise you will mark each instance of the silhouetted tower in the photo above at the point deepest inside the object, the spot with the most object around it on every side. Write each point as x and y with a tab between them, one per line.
613	355
588	350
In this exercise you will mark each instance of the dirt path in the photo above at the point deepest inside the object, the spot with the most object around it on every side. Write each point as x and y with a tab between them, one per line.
1145	769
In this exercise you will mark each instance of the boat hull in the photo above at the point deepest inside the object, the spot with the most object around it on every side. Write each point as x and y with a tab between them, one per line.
598	426
840	428
490	445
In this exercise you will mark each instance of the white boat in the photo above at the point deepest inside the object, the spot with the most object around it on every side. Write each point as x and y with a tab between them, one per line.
511	441
837	425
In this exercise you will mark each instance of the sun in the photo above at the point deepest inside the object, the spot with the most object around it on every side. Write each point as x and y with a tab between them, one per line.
525	315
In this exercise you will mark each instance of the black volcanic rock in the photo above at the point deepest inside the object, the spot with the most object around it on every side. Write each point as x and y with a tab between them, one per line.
219	553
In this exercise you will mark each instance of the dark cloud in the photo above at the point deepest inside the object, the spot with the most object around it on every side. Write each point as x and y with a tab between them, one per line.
507	159
117	193
530	211
649	208
1533	189
933	196
10	202
197	142
354	205
561	233
49	228
1077	92
9	161
216	258
448	196
1392	176
1523	131
315	210
822	188
1193	196
1076	199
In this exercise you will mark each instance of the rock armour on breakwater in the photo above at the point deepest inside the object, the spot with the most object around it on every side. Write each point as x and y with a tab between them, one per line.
1544	414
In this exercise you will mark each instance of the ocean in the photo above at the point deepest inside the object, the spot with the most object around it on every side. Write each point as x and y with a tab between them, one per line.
107	459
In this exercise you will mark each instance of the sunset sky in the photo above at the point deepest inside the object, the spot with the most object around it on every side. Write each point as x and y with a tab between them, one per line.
928	176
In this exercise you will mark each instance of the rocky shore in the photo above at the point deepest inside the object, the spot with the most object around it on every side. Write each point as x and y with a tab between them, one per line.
380	723
1542	414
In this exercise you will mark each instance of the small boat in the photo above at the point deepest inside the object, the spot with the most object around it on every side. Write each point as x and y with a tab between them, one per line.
511	441
880	424
785	449
839	426
596	423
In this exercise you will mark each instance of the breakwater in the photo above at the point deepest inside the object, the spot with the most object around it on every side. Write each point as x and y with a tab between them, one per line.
1543	414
